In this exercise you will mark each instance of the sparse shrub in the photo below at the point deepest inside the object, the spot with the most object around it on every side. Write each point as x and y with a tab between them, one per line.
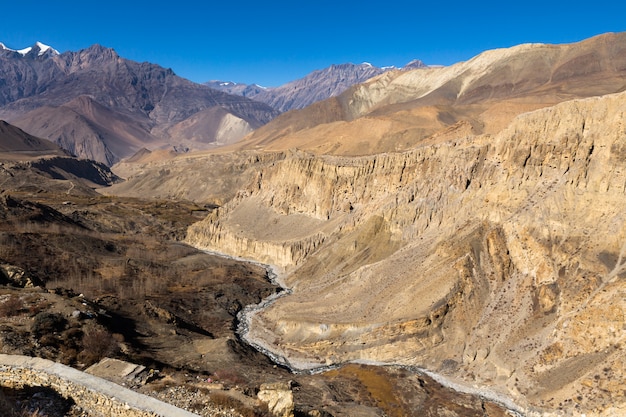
97	343
48	339
68	356
70	343
72	337
48	323
38	307
12	306
228	376
226	402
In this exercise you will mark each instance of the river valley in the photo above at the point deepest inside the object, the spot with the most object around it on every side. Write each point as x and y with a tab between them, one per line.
273	274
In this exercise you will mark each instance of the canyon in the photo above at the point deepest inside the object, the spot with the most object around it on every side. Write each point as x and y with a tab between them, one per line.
462	222
489	247
494	259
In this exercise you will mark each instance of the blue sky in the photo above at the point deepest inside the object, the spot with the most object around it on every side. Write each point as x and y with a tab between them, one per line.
271	43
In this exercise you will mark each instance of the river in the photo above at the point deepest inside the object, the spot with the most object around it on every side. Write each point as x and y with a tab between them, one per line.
243	331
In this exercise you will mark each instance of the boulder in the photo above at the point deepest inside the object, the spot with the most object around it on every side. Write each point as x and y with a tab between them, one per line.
278	397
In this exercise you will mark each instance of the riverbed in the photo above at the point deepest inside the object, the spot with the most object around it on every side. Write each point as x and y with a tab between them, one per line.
273	274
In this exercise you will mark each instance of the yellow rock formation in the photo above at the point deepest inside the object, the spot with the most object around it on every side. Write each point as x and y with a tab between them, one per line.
499	259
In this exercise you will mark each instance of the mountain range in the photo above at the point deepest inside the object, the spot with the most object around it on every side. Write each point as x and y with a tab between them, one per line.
316	86
100	106
467	220
397	110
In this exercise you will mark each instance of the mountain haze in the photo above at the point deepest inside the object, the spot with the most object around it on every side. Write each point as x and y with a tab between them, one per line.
316	86
246	90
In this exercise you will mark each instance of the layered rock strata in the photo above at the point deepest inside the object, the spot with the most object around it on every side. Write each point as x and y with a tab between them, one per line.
495	259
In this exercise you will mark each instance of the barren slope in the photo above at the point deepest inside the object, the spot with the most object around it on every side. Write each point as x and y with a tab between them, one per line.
485	93
15	141
496	259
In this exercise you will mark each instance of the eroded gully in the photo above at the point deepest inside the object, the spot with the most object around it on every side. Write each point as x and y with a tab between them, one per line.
244	318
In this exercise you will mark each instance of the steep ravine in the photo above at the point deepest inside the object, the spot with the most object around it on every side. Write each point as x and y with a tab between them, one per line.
245	316
490	259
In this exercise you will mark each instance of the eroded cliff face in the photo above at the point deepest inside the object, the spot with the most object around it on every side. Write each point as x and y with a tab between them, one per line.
497	259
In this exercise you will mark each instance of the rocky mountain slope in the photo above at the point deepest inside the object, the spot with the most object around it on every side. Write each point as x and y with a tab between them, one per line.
493	257
15	141
399	109
104	107
490	250
316	86
39	165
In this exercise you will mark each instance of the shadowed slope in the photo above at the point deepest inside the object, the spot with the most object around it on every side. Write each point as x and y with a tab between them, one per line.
15	141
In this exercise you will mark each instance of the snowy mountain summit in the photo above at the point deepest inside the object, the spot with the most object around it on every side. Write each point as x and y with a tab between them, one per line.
38	49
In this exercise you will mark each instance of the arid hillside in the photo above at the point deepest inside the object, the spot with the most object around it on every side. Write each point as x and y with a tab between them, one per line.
467	220
497	259
399	109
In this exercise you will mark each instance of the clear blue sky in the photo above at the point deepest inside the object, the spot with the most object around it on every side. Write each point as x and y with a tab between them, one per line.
273	42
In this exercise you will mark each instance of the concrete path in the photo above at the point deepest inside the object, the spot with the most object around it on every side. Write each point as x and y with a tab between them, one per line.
88	391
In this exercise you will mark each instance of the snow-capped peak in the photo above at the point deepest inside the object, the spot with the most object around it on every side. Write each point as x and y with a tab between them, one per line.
24	51
43	49
6	48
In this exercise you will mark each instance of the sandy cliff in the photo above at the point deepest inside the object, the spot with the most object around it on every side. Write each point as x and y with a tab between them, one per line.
496	259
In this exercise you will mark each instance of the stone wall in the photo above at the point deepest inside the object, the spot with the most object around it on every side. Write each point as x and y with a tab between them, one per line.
97	395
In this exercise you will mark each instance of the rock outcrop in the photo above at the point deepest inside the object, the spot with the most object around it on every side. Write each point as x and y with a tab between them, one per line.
497	259
278	397
16	276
